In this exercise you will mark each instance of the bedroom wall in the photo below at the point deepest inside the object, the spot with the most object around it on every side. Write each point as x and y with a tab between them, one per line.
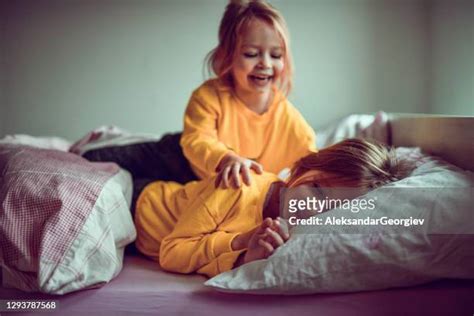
77	64
453	57
358	56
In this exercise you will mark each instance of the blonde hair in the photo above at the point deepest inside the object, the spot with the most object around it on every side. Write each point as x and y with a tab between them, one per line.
237	16
352	163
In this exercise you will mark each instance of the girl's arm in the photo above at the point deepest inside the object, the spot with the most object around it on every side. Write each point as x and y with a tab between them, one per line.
199	139
196	244
202	147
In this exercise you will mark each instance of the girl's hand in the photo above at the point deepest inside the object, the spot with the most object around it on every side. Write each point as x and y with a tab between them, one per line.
269	236
231	167
280	226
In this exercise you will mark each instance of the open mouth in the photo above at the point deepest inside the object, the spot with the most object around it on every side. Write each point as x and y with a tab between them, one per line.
260	79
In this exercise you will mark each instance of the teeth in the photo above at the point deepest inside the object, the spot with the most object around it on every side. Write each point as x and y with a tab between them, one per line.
261	78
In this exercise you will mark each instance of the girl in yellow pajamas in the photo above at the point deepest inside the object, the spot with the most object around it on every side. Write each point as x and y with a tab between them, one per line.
239	121
242	120
198	228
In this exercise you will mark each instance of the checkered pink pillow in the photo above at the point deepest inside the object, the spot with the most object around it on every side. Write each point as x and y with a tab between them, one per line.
46	197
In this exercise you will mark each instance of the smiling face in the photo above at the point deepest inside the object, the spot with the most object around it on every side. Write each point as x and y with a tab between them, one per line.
259	61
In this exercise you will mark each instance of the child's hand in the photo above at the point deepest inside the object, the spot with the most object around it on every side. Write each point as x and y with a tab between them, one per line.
231	167
269	236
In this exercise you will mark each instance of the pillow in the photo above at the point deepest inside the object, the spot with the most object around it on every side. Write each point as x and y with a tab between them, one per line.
57	143
322	259
107	136
368	126
64	222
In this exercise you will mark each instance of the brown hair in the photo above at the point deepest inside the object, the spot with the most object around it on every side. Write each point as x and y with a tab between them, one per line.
352	163
237	16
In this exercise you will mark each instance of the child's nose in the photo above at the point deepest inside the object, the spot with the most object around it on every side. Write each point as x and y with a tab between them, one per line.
265	61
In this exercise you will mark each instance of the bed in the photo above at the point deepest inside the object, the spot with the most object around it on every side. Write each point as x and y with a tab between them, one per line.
143	288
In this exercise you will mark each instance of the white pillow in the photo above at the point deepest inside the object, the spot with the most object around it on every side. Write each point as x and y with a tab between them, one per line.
368	126
332	259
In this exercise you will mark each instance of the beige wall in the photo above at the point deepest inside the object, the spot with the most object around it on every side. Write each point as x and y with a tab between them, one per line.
453	57
358	56
77	64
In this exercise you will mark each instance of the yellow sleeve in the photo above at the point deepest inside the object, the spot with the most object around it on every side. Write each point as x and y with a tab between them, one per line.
199	139
195	244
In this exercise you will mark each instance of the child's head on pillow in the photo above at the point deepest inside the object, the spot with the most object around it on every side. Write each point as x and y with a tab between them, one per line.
350	163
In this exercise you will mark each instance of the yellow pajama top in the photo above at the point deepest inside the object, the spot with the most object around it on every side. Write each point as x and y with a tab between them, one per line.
217	122
189	228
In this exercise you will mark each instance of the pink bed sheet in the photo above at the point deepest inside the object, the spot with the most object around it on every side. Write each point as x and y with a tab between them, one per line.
143	288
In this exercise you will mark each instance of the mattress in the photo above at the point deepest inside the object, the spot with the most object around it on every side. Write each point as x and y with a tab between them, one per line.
143	288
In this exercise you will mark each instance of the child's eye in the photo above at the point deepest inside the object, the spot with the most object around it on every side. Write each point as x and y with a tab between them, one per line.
277	56
250	55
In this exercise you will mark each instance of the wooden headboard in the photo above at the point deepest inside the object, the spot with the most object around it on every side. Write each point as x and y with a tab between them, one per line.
449	137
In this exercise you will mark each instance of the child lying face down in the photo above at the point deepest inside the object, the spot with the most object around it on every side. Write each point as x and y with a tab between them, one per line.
200	228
